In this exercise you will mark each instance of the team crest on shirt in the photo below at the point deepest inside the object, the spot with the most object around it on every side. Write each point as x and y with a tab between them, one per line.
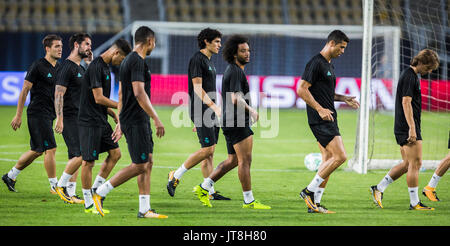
329	73
79	75
49	75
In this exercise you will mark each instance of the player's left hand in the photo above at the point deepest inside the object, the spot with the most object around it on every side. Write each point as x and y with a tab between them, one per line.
254	116
117	134
351	101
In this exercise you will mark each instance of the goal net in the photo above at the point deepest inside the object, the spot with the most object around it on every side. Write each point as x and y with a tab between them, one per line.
422	24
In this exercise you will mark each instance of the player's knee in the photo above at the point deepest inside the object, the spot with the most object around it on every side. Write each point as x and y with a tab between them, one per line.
208	151
341	158
36	154
115	155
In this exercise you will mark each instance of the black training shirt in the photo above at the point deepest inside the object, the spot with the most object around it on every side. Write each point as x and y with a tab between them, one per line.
408	85
70	75
320	74
133	68
98	75
42	75
201	66
234	80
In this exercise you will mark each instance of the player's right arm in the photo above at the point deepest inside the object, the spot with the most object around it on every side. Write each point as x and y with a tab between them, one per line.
117	134
407	110
304	93
17	120
59	106
146	105
101	99
198	90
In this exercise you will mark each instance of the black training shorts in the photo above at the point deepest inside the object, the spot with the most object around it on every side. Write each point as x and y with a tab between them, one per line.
207	136
95	140
234	135
71	137
139	140
325	132
41	134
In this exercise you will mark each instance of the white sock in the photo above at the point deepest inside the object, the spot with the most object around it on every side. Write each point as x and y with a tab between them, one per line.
53	182
180	171
13	173
314	185
212	191
87	195
413	195
64	179
71	188
144	203
207	184
318	195
248	196
104	189
387	180
99	180
434	180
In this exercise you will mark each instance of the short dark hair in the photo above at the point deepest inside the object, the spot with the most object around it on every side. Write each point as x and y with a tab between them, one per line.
123	45
48	40
231	47
79	38
208	34
426	57
338	37
142	34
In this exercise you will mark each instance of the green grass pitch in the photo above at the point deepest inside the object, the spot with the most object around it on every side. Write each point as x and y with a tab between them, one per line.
278	175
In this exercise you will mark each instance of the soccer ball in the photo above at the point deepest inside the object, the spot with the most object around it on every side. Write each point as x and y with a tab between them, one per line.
313	161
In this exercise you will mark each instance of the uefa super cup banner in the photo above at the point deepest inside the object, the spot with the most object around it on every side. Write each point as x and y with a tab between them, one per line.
265	91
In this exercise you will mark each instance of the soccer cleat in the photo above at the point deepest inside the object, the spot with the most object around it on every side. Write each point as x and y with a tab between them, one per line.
10	183
202	195
53	190
217	196
377	196
98	201
430	193
91	210
420	206
62	193
76	199
256	205
172	184
152	214
322	209
308	197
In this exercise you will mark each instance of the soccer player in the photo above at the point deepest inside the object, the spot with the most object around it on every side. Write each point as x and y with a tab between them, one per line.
135	109
430	190
238	116
67	103
40	82
408	107
202	94
317	90
94	130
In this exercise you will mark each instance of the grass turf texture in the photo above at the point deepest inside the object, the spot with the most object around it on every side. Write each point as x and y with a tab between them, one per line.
278	175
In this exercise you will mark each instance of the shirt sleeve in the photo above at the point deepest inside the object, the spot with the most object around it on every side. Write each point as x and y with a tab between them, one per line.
195	67
95	76
64	75
236	81
406	85
138	70
311	72
32	73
